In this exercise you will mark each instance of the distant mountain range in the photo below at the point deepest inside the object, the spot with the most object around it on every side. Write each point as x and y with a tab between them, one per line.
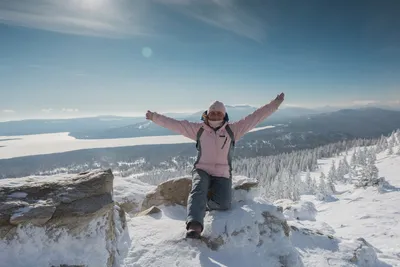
298	120
116	126
147	128
103	127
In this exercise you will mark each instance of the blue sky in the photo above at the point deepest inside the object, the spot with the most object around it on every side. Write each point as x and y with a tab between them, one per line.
89	57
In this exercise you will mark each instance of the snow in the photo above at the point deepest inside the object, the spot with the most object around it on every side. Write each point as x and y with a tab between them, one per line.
39	144
130	190
157	240
356	227
35	248
27	145
305	210
368	213
359	227
261	128
18	182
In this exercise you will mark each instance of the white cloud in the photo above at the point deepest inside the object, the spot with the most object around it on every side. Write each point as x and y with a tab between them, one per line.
8	111
87	17
70	110
47	110
121	18
224	14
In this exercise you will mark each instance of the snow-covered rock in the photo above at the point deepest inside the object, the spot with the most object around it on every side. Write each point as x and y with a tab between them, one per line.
300	210
70	220
252	233
244	188
327	250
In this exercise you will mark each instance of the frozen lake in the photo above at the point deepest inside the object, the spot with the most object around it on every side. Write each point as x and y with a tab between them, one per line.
39	144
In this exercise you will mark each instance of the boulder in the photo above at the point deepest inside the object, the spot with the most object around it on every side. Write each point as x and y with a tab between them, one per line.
171	192
176	192
364	254
58	214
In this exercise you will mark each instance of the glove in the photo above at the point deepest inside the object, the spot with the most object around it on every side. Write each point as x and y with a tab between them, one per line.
280	98
149	115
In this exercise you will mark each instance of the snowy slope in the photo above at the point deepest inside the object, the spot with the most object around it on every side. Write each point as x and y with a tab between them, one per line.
367	213
360	228
355	227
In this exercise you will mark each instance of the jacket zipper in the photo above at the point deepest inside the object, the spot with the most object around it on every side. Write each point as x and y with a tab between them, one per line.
226	138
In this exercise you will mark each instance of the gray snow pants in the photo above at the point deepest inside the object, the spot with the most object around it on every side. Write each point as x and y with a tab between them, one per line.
200	200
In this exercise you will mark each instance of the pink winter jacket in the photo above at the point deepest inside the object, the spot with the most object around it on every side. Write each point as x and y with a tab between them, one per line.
215	145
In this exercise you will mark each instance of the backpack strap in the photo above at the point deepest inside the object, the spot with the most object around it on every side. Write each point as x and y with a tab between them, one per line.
198	147
199	133
230	132
231	149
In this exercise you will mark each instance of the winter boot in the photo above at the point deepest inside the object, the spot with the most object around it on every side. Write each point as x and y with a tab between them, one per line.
194	230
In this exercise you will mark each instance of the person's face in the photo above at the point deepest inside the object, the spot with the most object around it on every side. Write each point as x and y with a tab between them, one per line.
215	116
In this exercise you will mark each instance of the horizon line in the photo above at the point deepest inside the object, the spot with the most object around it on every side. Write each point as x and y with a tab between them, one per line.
332	108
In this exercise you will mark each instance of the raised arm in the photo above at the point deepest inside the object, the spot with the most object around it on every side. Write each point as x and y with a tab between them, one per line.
246	124
183	127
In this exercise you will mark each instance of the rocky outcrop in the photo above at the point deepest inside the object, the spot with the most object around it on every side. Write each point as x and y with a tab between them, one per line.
64	211
171	192
176	191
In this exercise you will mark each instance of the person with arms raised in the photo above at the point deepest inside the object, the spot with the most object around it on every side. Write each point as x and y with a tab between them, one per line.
212	171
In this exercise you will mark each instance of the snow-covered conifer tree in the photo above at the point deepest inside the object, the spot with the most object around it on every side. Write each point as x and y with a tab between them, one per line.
390	149
322	188
297	184
369	175
362	157
314	186
308	180
332	176
354	160
341	171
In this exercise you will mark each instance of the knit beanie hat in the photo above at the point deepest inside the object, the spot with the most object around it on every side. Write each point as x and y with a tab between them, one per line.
217	106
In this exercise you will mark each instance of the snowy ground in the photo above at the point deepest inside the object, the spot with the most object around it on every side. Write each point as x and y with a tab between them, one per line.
38	144
366	213
329	232
357	213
